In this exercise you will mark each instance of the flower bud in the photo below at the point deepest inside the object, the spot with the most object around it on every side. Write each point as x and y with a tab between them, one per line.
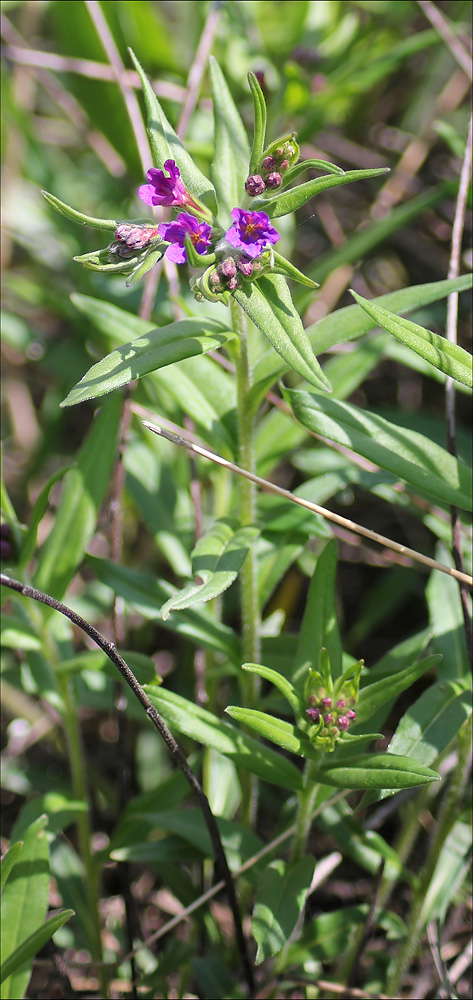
284	165
351	715
328	719
255	185
269	163
274	180
326	702
313	714
246	267
135	236
341	704
343	723
232	283
214	279
227	267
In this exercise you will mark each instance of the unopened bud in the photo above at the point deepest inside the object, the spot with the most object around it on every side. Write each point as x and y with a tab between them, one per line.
268	163
351	715
227	267
328	719
214	279
135	237
343	723
232	283
246	267
313	714
274	180
326	702
341	704
255	185
283	166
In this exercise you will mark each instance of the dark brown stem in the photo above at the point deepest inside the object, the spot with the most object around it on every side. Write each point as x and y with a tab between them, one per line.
109	649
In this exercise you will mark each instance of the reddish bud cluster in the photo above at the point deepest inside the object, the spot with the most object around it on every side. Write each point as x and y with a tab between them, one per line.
130	238
334	719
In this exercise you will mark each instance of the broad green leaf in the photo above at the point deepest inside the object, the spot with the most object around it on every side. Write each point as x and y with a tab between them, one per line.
18	633
432	722
438	351
269	305
446	621
453	866
31	945
319	625
70	213
157	349
405	453
259	127
351	322
329	935
377	771
232	152
83	491
376	694
280	898
292	199
24	904
222	576
146	595
165	144
243	750
8	861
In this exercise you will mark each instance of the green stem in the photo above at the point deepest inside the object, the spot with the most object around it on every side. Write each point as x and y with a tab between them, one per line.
446	821
307	799
250	614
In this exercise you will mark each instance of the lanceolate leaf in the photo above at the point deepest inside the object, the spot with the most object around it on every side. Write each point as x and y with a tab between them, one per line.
280	898
32	944
303	165
70	213
224	573
232	152
259	107
282	683
280	732
374	695
319	624
283	266
352	322
24	905
294	198
195	722
165	144
268	303
377	771
157	349
407	454
440	352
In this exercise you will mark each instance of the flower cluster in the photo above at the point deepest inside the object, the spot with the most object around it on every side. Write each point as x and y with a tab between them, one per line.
275	163
328	705
250	235
334	717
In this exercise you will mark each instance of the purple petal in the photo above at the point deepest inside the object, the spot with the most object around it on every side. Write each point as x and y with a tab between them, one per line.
176	253
147	192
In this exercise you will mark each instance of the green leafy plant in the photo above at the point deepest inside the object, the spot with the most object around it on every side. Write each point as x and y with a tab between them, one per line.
283	732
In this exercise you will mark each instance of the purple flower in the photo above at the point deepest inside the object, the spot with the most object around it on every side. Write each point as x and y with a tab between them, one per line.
175	234
163	190
251	232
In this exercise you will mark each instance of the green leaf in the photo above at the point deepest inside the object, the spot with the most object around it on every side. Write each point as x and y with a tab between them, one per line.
32	944
24	904
446	621
280	682
232	152
243	750
282	733
432	722
377	771
405	453
29	539
83	491
280	898
18	633
374	695
146	595
289	201
157	349
70	213
453	866
311	164
319	625
351	322
438	351
144	266
165	144
283	266
8	861
269	305
259	108
220	578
